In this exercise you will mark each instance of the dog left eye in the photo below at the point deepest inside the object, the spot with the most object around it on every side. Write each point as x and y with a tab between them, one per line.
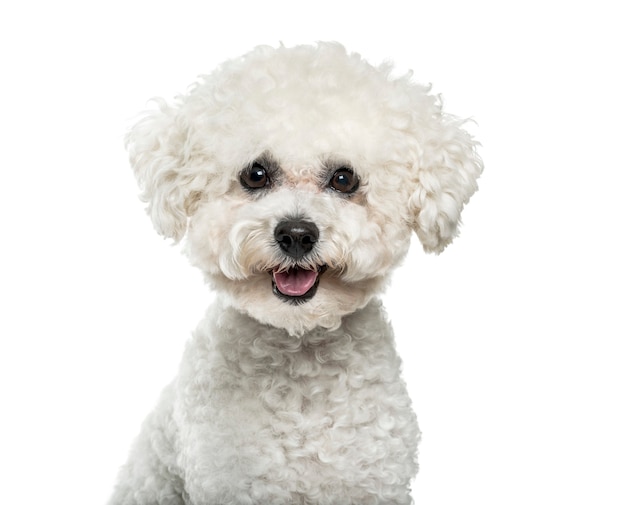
344	180
255	177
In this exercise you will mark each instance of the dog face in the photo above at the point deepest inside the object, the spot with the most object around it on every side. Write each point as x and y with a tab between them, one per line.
299	243
298	174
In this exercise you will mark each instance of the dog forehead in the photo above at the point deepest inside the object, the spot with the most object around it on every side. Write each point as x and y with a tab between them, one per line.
302	104
276	72
314	99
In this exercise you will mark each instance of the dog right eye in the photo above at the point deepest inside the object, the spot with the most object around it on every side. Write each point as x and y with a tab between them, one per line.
255	177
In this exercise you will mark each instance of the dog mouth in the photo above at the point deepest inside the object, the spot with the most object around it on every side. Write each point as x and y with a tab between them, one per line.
296	285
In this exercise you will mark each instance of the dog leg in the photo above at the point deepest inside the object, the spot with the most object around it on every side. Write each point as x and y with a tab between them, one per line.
151	475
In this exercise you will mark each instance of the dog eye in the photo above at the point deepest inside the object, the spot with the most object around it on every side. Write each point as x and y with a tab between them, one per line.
344	180
255	177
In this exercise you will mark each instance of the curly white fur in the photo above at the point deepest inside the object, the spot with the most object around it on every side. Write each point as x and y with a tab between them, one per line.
279	402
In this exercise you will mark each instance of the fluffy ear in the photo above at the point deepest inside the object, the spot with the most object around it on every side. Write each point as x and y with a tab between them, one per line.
160	152
446	179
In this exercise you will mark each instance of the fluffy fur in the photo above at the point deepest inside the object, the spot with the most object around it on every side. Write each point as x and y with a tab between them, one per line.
293	399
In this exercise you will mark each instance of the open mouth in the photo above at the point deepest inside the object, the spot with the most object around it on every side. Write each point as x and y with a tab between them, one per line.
296	285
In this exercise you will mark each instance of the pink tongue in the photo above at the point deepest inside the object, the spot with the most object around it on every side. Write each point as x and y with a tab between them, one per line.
295	282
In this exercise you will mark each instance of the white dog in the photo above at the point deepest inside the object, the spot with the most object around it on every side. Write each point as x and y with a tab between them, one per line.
297	176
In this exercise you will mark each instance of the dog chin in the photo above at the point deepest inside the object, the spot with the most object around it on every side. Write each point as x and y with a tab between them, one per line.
297	300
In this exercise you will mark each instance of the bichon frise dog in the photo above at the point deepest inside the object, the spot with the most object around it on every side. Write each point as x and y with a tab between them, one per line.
297	176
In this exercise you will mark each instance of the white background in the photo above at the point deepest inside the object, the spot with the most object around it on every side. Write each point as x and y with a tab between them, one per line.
512	339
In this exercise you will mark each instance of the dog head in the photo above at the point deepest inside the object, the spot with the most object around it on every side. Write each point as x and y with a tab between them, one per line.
298	174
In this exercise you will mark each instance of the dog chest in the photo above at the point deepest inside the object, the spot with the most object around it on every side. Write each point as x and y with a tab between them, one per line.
327	413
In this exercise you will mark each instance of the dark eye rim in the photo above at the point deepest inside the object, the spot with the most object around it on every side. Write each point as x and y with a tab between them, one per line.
353	183
248	182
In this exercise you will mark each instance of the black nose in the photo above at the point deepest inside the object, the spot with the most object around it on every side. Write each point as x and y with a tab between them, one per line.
296	237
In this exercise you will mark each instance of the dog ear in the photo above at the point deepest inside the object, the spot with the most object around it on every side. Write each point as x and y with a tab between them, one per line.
447	170
159	147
